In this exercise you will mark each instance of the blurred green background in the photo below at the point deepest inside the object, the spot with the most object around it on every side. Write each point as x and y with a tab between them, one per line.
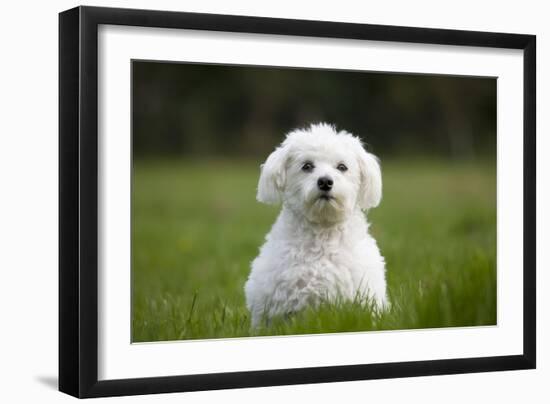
200	133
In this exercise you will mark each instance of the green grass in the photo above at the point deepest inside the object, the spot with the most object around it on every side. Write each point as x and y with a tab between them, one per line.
197	226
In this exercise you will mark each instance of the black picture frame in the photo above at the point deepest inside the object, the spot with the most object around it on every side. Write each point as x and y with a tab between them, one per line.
78	201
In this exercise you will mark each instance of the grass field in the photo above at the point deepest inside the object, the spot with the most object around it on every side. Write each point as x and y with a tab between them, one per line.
197	226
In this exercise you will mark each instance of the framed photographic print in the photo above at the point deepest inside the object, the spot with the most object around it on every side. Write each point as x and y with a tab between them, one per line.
251	201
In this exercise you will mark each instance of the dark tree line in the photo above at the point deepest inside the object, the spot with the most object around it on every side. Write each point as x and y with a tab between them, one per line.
194	109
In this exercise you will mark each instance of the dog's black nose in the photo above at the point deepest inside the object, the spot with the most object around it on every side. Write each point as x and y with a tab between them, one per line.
325	183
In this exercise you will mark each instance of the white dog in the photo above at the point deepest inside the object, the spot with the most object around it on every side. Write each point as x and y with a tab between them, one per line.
319	248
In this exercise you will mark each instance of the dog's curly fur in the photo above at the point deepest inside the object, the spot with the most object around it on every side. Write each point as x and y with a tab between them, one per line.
319	247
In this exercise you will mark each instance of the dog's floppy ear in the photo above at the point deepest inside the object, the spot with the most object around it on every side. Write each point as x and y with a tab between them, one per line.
370	189
272	177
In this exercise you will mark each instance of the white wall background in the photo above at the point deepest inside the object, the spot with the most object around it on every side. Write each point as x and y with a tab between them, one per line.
28	198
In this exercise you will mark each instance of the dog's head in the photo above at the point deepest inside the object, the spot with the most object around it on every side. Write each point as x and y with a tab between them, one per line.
322	174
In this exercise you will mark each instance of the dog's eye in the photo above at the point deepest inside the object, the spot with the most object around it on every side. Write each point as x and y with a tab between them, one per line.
342	167
307	167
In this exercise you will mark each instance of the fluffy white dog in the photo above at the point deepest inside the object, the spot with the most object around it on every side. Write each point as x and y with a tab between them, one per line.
319	248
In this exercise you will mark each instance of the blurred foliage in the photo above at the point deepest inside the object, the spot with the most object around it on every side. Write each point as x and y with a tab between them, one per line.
243	111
